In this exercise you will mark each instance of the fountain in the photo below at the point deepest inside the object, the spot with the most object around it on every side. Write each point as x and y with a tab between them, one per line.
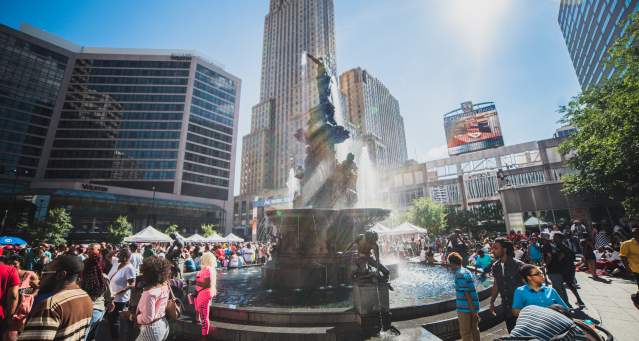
313	287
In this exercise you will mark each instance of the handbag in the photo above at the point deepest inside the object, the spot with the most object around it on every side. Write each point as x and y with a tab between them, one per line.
173	307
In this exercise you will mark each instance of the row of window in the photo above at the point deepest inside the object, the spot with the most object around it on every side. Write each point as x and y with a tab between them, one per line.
41	52
205	170
113	154
127	88
115	164
98	115
128	80
210	125
207	151
39	93
99	97
225	110
22	127
116	144
26	107
206	160
114	175
214	91
10	114
204	179
209	115
8	147
121	125
133	63
122	106
121	134
215	79
210	133
208	142
131	72
21	137
17	159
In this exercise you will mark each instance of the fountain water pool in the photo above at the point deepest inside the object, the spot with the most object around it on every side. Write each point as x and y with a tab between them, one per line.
418	285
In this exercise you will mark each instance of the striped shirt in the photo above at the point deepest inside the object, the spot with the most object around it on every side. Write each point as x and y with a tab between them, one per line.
63	316
544	324
464	284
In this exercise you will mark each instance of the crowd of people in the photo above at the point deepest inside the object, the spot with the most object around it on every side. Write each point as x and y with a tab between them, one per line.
129	291
532	273
68	292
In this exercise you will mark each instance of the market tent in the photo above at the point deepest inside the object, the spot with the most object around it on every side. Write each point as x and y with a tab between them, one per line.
195	238
149	235
380	229
215	238
416	228
534	221
233	238
403	229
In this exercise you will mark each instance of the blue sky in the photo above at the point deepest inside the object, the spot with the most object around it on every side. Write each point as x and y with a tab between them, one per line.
431	54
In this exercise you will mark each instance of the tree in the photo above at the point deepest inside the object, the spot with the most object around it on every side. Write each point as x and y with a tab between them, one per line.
605	148
53	229
459	218
208	230
171	229
120	229
426	213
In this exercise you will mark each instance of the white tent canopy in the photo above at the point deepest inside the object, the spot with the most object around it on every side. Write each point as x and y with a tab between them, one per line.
380	229
419	230
233	238
534	221
195	238
149	235
216	238
406	229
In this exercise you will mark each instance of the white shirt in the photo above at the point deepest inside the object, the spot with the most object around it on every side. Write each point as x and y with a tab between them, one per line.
118	281
247	254
519	253
136	261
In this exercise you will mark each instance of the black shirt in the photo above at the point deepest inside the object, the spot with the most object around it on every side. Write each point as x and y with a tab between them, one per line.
508	279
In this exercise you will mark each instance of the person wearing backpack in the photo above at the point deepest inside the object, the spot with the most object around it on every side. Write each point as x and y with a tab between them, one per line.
94	282
27	290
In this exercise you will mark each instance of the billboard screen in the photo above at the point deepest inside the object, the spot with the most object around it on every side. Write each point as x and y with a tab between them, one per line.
472	128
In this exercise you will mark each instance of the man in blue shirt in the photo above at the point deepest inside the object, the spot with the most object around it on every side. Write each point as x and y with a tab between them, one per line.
534	292
467	300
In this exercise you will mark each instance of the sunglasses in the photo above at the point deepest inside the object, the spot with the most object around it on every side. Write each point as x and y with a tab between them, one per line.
535	274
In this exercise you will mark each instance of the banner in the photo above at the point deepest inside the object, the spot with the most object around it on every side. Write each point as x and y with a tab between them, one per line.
471	130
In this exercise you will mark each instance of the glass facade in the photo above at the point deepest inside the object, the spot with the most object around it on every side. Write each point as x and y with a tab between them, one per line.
207	159
590	27
31	78
121	122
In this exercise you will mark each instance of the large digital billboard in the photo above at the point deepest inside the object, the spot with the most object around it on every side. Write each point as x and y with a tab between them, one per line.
472	128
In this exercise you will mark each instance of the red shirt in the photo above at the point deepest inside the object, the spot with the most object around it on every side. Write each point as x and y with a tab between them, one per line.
8	278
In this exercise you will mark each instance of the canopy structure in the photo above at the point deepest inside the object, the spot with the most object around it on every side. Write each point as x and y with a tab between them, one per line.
233	238
195	238
406	229
7	240
379	229
534	221
216	238
149	235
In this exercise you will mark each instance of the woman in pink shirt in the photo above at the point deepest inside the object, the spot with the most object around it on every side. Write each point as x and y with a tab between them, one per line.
205	282
156	272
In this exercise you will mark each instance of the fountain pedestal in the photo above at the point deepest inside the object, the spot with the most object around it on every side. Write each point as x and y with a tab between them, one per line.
372	305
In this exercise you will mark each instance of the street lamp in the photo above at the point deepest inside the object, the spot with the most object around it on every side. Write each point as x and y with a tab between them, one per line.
15	200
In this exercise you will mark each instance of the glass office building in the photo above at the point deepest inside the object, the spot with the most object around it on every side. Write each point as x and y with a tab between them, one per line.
149	134
590	27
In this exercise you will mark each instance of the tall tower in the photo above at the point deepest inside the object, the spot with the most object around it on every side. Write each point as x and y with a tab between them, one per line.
291	29
375	114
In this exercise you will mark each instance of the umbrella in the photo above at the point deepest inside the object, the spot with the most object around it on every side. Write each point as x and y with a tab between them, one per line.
6	240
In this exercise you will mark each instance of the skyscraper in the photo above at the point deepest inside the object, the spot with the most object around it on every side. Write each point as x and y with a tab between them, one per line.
292	28
145	133
374	113
590	27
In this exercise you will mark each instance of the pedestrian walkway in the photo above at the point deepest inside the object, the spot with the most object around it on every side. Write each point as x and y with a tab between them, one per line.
610	304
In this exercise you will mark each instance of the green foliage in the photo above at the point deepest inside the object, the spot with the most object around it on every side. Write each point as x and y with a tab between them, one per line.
208	230
53	229
426	213
459	218
171	229
119	230
605	149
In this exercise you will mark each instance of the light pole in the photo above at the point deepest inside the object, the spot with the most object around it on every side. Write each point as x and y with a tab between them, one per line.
153	206
15	201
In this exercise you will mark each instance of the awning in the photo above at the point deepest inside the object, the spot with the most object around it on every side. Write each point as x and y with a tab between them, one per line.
149	235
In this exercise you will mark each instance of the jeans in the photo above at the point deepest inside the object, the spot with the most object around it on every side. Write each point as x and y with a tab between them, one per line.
558	284
96	317
114	320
